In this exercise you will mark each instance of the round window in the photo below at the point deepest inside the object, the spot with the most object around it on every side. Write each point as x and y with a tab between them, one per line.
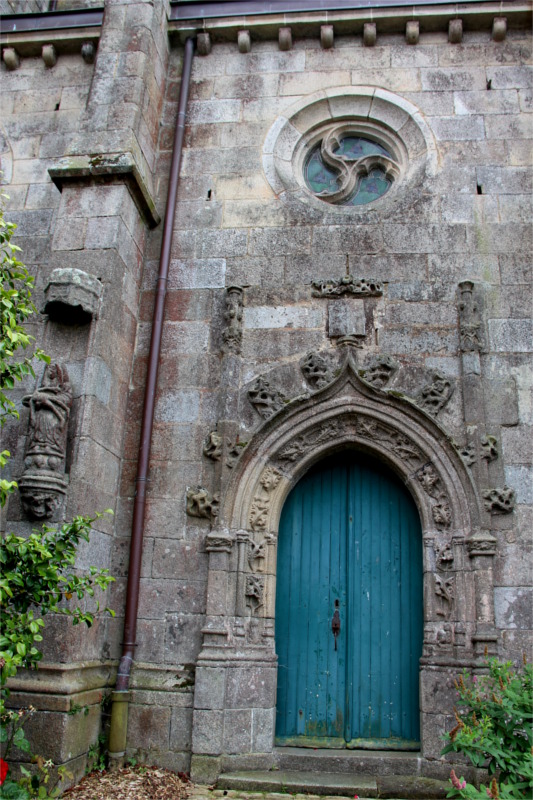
349	150
349	170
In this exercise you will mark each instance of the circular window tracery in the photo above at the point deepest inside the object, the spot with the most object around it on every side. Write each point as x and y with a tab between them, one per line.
352	150
348	169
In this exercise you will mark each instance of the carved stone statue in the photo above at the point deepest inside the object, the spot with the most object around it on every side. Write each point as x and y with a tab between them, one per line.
43	485
469	319
232	333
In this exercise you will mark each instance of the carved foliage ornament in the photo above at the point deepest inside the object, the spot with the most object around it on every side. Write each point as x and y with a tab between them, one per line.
500	501
265	400
317	370
379	370
255	592
432	485
200	503
434	396
357	287
43	483
261	502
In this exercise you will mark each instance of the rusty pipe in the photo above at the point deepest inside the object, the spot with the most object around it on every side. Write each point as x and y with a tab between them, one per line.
137	530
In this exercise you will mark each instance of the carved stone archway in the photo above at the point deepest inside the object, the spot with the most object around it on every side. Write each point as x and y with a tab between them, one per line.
235	693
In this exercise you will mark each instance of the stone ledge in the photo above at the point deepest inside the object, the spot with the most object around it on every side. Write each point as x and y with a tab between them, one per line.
475	16
108	165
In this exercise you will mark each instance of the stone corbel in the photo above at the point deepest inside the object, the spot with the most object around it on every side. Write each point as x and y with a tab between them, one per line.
72	295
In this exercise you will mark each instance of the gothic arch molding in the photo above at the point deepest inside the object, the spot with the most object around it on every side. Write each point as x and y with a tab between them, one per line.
350	412
238	637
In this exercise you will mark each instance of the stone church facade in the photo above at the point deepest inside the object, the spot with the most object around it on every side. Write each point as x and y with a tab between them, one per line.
318	300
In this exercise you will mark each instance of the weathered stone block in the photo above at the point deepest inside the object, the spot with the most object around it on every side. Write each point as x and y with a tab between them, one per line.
520	478
237	731
149	727
511	335
346	318
263	724
208	730
209	688
513	607
250	687
181	729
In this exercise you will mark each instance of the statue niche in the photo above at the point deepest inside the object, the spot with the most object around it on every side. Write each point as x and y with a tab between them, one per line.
43	484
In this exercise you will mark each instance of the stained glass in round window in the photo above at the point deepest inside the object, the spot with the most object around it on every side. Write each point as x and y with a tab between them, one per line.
348	171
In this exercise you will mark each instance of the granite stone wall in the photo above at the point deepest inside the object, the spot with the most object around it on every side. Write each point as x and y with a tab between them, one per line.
466	219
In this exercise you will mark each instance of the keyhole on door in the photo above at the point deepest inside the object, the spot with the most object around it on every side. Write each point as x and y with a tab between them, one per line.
336	623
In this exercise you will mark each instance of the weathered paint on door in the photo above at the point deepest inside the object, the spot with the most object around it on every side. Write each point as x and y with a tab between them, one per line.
350	533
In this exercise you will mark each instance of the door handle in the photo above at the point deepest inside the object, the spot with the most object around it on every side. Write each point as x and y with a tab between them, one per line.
336	623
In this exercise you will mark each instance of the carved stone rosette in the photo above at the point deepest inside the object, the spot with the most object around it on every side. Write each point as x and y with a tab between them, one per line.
232	333
43	484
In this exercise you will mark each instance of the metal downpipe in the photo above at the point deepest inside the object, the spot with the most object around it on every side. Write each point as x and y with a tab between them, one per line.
120	697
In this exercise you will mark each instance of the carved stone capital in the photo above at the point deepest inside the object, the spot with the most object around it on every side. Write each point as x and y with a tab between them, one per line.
481	543
219	542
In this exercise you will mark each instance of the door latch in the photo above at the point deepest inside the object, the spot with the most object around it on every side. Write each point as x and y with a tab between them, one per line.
336	623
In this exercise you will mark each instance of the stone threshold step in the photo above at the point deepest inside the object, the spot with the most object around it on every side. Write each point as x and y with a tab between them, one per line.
362	762
392	787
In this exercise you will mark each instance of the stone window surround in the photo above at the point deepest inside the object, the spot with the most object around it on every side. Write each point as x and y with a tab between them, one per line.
364	110
238	647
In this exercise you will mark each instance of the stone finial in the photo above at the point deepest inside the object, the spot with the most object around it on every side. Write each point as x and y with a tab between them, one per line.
203	44
88	52
369	34
412	32
499	29
455	31
327	36
43	484
49	55
244	41
285	39
11	58
72	295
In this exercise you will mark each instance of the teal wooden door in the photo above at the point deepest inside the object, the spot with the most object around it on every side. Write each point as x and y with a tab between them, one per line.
349	540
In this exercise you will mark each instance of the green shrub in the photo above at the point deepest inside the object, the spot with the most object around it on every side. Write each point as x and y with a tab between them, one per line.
494	730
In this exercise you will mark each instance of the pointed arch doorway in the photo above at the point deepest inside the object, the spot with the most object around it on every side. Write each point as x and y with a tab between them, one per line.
349	549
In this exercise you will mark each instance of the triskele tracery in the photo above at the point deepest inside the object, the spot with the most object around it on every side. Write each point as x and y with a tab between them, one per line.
350	170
